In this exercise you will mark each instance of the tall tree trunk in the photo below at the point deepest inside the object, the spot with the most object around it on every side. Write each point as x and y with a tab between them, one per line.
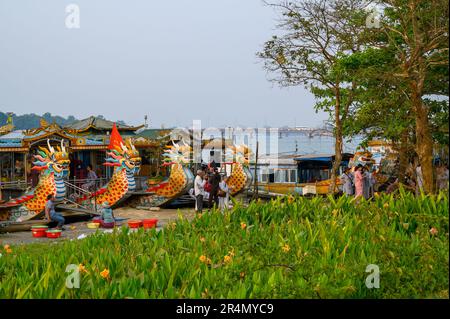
424	141
403	156
338	141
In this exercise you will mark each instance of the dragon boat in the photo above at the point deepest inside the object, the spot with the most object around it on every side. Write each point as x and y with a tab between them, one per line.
126	162
22	212
240	178
180	180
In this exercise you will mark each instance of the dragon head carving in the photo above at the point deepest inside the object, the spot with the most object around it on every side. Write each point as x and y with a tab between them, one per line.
53	161
125	156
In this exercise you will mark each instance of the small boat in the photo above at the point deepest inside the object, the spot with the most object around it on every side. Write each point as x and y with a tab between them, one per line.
298	174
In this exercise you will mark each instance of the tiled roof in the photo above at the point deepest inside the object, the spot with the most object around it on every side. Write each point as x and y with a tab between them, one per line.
98	123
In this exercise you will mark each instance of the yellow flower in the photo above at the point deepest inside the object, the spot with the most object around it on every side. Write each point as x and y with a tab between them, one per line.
286	248
105	273
202	239
9	251
227	259
81	268
291	199
243	225
205	260
386	205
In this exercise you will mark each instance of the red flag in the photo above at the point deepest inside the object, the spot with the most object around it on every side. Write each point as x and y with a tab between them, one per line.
115	139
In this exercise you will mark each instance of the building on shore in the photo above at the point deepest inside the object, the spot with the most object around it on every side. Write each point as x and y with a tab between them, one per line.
87	140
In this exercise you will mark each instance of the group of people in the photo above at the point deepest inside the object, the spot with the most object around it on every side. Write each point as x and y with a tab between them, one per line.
360	182
212	186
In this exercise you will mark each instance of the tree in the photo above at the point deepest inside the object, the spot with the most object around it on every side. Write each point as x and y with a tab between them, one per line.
315	34
381	103
418	31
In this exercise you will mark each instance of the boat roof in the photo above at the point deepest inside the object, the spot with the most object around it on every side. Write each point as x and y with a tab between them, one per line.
99	124
17	134
321	157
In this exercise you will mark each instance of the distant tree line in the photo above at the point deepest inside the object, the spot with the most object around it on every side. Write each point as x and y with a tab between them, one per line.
28	121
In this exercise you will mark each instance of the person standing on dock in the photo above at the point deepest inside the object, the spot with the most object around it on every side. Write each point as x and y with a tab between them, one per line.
347	182
91	179
224	194
215	181
366	182
359	182
199	190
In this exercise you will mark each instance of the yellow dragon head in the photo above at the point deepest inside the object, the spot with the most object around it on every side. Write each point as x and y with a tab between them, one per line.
51	160
240	153
177	154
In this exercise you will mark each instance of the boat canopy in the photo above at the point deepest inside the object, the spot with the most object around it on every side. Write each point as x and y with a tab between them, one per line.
322	158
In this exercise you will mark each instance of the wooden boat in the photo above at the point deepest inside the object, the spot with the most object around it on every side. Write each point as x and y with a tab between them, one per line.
53	165
304	174
180	180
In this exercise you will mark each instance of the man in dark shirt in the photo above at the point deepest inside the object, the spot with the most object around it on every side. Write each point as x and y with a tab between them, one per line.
51	214
214	181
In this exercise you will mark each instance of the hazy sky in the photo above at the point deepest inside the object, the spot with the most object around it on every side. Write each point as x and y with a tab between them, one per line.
173	60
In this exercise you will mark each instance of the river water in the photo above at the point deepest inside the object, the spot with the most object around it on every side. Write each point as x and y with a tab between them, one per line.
280	142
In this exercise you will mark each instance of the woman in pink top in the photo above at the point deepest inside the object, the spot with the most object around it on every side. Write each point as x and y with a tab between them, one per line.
358	181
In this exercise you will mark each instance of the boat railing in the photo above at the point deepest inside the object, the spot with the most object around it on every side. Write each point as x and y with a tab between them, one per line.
19	185
141	182
74	192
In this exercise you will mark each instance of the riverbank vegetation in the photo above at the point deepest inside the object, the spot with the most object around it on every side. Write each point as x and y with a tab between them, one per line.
286	248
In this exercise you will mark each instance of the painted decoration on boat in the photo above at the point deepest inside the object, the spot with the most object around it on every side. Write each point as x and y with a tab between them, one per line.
181	179
54	167
126	162
363	158
240	177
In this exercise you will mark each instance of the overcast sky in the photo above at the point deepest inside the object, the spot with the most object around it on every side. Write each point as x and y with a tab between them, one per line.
173	60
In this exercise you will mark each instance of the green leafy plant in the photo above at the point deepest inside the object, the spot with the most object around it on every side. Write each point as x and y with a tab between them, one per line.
301	248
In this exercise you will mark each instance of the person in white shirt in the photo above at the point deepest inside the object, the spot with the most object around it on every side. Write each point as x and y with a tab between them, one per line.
224	194
199	190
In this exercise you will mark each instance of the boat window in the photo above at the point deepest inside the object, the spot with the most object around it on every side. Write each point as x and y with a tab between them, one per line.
264	177
12	167
271	176
293	176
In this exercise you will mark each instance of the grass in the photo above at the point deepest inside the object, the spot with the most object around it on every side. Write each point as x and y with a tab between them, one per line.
288	248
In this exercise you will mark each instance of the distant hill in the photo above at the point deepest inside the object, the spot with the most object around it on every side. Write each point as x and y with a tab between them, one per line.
27	121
